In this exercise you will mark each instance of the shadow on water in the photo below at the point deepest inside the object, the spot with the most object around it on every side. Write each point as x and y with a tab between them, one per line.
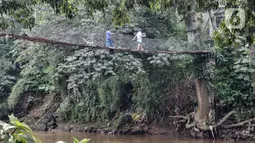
52	137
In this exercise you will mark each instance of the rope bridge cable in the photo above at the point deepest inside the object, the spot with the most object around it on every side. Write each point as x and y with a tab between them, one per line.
81	46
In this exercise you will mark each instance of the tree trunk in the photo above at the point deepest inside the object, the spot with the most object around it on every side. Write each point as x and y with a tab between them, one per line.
213	24
190	21
202	114
203	110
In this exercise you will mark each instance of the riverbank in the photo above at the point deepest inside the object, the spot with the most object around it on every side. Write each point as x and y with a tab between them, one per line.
156	129
43	117
240	134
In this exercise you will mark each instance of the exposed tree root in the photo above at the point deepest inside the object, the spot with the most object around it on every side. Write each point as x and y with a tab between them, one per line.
211	127
238	124
224	119
182	117
193	124
188	126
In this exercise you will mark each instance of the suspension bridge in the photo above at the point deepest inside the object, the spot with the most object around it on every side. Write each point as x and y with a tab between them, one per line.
82	46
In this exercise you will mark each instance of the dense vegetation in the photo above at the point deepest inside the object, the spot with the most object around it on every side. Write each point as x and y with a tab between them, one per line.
97	86
115	83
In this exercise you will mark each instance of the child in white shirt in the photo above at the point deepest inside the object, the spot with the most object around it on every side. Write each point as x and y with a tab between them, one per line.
139	36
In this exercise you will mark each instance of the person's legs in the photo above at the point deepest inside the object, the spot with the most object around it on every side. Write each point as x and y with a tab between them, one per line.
139	46
111	43
107	44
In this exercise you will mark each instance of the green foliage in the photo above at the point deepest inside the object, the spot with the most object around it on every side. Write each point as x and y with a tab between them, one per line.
159	25
16	93
37	71
15	12
82	141
88	71
235	62
164	73
122	120
19	132
115	96
94	84
120	16
101	86
22	11
16	131
8	73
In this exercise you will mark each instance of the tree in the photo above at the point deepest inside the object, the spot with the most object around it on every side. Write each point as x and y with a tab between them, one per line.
21	11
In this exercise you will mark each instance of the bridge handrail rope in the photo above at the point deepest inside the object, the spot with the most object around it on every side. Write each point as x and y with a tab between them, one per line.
81	46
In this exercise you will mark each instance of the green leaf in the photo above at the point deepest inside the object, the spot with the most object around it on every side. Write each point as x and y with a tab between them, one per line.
244	69
85	141
12	140
247	78
75	140
237	66
7	127
245	61
241	76
22	128
48	69
42	87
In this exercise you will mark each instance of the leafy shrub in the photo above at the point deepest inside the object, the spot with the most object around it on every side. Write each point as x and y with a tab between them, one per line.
234	71
17	90
17	131
115	96
8	72
37	71
96	82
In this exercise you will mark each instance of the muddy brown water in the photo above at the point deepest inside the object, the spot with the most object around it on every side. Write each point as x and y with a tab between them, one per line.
52	137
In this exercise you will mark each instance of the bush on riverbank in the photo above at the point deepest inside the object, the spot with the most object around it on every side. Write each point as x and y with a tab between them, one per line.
16	131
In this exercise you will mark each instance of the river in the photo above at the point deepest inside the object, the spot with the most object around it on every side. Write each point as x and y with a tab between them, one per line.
52	137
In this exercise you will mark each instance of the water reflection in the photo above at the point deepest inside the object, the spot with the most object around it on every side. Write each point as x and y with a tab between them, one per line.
52	137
